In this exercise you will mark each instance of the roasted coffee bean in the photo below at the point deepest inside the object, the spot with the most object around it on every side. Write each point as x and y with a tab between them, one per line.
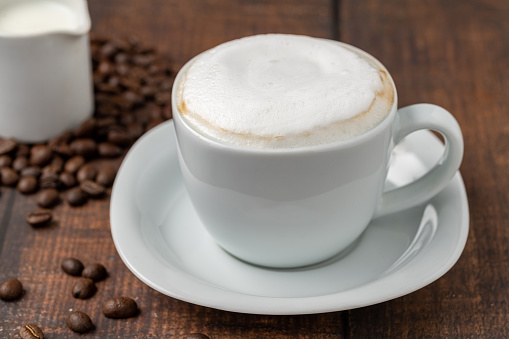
31	171
72	266
40	155
73	164
83	146
47	198
31	331
92	188
76	197
106	175
196	336
8	176
57	163
67	179
39	218
7	145
19	163
54	169
49	180
109	150
96	272
27	185
22	150
5	160
62	149
121	307
79	322
10	290
86	172
84	288
135	129
119	137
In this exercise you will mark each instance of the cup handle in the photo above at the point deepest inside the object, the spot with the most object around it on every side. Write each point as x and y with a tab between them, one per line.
410	119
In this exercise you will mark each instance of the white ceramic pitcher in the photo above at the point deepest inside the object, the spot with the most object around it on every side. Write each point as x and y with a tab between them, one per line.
45	68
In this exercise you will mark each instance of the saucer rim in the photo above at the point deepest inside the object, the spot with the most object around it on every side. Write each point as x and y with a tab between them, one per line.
223	299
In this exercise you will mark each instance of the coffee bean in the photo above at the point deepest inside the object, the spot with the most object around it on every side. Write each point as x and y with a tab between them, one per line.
31	331
86	172
49	180
22	150
79	322
196	336
109	150
5	160
40	155
27	185
121	307
76	197
96	272
31	171
84	288
63	150
92	189
72	266
67	179
47	198
106	175
73	164
10	290
7	145
8	176
119	137
39	218
135	129
83	146
19	163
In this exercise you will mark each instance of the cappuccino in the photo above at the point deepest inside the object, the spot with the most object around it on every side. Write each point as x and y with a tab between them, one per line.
281	91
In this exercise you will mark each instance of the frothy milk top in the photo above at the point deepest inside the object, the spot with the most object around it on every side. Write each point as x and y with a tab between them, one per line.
36	16
280	91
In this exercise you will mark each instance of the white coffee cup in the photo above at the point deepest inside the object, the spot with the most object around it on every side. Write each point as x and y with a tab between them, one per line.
45	67
296	207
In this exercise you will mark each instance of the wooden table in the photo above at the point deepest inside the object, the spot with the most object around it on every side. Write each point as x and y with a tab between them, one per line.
451	53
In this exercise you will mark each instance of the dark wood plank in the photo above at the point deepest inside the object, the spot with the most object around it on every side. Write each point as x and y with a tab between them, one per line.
180	30
453	54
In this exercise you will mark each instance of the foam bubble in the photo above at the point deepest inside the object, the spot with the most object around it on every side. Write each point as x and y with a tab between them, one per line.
281	91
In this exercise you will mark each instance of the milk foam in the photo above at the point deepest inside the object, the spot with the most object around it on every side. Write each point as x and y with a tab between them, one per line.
36	16
281	91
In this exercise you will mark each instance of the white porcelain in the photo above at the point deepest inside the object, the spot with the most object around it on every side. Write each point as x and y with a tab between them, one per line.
291	208
45	82
163	242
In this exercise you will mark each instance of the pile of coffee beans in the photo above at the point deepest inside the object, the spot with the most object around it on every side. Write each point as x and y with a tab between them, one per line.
132	95
84	288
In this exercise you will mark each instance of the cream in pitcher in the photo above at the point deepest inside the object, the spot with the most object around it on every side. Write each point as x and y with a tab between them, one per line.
45	87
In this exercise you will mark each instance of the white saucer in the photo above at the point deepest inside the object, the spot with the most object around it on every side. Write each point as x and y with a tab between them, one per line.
162	241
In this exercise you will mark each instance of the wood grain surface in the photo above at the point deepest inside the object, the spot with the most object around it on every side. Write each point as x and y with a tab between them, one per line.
451	53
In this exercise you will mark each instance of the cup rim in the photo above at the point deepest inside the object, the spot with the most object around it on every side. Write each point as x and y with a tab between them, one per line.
340	144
